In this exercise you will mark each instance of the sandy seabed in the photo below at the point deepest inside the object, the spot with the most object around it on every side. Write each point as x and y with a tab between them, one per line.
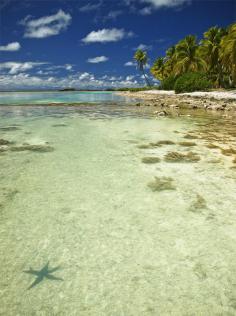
129	237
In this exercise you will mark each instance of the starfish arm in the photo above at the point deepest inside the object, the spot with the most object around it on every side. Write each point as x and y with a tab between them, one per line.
52	277
45	269
53	269
37	281
31	271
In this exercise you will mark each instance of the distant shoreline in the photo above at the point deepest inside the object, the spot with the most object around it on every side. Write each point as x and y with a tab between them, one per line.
213	100
68	91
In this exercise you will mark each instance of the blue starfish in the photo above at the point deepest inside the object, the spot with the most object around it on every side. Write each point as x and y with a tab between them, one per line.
45	272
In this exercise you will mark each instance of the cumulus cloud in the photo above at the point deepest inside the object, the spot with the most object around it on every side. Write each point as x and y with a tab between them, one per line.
106	35
133	64
130	64
47	25
16	67
157	4
143	47
112	15
90	7
68	67
11	47
82	80
96	60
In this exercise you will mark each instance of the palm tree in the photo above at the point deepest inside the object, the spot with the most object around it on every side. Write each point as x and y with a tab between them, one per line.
141	58
170	58
228	52
209	50
158	68
187	57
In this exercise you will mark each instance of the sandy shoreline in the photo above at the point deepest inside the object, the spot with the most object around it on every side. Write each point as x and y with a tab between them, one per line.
213	100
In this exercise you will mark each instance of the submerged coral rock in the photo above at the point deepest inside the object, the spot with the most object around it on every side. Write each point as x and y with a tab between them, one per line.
35	148
190	136
212	146
151	160
161	184
166	142
9	128
228	152
199	204
59	125
151	145
161	113
3	149
179	157
144	146
187	144
160	143
5	142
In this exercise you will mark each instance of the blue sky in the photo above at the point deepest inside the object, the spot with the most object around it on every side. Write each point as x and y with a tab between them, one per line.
90	44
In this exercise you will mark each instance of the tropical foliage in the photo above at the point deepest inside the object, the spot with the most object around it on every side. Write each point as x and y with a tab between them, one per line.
214	56
192	81
141	59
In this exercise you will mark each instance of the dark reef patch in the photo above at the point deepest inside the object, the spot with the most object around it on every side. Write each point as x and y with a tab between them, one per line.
228	151
9	128
179	157
198	204
150	160
165	142
187	144
143	146
212	146
59	125
34	148
5	142
190	136
161	184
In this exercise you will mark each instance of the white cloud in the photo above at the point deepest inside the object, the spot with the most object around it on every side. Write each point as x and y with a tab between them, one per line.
96	60
112	15
83	80
106	35
129	78
133	64
11	47
68	67
90	7
157	4
85	75
143	47
165	3
46	26
16	67
130	64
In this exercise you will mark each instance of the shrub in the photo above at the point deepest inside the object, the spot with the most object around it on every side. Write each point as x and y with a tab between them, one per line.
168	83
192	81
138	89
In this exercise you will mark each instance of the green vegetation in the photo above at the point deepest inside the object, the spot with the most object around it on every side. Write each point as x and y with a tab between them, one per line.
137	89
193	65
192	81
168	83
141	59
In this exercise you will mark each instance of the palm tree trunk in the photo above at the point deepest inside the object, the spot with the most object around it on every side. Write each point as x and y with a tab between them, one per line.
146	79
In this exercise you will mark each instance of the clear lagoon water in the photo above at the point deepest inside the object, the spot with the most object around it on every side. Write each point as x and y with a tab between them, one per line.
58	97
88	228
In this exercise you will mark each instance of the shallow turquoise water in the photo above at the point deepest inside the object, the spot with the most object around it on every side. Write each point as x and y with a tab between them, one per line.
58	97
86	207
